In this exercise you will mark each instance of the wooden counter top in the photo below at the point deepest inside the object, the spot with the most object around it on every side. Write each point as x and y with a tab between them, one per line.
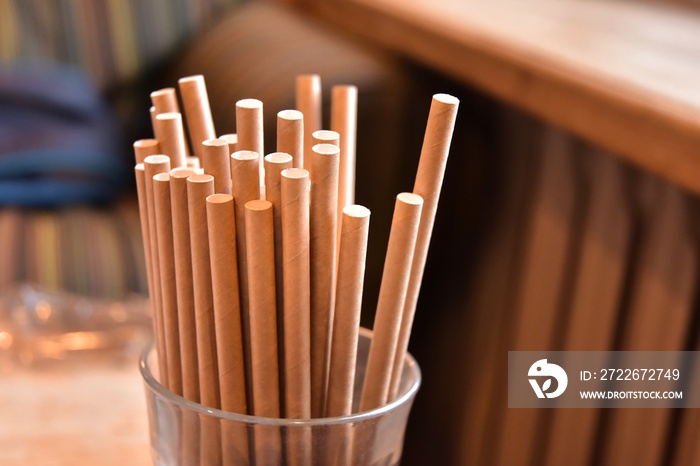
624	75
74	416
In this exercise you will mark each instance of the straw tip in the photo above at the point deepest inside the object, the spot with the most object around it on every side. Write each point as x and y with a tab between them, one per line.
156	159
290	115
356	210
446	99
326	149
219	198
200	178
245	155
295	173
410	198
325	135
258	205
278	157
161	177
143	143
196	78
309	77
249	103
168	116
216	142
182	172
164	91
344	89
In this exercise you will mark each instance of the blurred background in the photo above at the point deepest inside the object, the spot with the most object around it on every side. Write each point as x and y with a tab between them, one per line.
567	221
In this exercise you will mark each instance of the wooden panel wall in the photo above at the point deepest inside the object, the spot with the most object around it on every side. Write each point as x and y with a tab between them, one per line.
585	253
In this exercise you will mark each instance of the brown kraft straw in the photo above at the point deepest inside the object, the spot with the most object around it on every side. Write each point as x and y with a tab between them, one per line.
227	308
324	136
232	140
431	170
183	278
166	263
290	135
297	303
145	147
198	188
263	317
244	188
249	128
323	218
308	102
216	162
197	111
392	294
171	137
274	164
193	163
344	122
263	326
154	164
348	303
296	338
145	233
165	101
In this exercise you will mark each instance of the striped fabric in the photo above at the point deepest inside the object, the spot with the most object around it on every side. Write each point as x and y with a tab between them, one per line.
113	40
89	250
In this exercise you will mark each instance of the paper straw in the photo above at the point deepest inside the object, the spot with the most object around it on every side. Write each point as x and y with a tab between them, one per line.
249	128
296	338
197	111
431	170
145	147
232	140
154	164
166	264
290	135
153	114
193	163
324	136
146	235
348	304
392	295
308	102
216	161
344	122
297	299
244	188
323	218
183	278
263	318
165	101
227	307
198	188
171	137
263	329
274	164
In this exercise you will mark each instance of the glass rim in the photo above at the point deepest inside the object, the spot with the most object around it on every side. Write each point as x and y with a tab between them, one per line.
161	391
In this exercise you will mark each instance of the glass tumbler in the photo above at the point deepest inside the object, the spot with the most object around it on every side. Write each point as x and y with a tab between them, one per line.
184	433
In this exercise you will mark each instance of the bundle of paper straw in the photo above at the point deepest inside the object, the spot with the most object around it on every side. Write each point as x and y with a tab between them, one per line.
256	265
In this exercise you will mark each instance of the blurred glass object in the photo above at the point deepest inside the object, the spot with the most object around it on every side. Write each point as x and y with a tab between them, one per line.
39	327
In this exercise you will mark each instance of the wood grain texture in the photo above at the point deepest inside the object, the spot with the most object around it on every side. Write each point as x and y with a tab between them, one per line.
596	299
620	74
77	416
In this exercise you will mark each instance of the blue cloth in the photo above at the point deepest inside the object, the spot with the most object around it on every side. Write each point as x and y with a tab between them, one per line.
59	142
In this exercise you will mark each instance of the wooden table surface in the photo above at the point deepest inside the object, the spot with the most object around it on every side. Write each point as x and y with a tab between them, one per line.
622	74
67	414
